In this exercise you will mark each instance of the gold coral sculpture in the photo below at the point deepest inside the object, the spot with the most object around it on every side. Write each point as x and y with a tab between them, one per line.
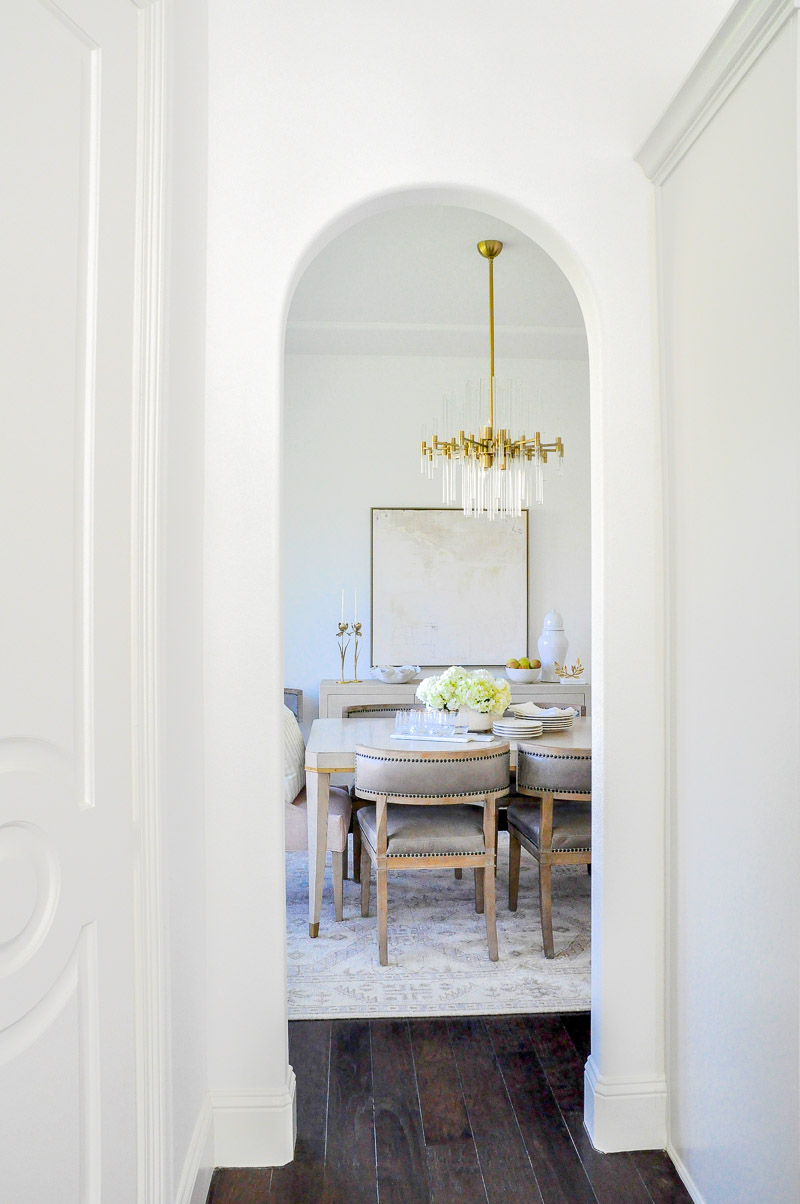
563	672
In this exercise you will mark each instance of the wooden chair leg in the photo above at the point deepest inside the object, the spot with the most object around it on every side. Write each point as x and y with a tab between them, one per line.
364	875
338	866
479	876
356	850
459	873
383	918
546	909
514	851
491	912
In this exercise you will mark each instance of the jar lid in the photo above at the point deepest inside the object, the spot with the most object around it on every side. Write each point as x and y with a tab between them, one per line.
553	621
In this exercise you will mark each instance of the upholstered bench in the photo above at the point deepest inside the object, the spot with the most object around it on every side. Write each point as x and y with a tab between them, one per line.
339	810
296	807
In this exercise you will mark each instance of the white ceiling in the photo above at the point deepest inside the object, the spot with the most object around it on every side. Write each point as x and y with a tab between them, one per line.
411	282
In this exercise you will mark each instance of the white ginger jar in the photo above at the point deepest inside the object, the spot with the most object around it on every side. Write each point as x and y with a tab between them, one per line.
552	645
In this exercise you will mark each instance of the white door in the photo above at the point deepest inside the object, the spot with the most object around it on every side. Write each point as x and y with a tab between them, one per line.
67	834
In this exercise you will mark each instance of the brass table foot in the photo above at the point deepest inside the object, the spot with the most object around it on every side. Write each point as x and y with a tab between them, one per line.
313	929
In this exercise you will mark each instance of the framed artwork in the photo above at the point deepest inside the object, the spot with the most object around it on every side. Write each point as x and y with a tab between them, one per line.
448	590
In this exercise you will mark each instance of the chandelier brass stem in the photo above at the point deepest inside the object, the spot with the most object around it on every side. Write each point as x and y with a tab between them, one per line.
490	248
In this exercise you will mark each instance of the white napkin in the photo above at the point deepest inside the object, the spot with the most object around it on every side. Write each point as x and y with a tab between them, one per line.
531	709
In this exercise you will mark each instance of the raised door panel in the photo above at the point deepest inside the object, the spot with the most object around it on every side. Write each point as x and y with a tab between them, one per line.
67	833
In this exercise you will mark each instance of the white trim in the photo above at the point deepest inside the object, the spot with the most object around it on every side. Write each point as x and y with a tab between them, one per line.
688	1181
320	327
255	1128
738	43
86	453
199	1165
668	636
151	1003
624	1114
421	338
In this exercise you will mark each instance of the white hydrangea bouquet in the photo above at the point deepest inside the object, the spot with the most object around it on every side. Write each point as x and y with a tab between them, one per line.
464	689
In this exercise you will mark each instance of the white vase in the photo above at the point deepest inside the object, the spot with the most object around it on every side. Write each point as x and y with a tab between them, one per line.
476	721
552	645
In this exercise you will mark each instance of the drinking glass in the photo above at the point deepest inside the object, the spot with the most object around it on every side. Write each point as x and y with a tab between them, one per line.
448	723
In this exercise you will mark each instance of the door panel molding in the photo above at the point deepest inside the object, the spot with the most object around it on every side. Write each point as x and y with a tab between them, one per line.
151	1002
78	978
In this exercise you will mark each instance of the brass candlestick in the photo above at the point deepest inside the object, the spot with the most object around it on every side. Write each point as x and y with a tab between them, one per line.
343	631
356	636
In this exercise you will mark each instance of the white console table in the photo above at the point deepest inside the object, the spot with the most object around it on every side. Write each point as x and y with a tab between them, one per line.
335	697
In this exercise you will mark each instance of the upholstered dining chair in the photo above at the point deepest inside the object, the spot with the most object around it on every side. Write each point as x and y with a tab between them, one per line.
552	820
424	815
296	808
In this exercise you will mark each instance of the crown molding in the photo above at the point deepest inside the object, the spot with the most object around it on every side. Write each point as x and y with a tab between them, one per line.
424	339
738	43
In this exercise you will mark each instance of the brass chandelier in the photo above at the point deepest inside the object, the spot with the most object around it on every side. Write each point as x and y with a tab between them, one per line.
498	473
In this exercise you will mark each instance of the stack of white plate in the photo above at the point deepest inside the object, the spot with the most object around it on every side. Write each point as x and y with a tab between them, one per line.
517	729
557	721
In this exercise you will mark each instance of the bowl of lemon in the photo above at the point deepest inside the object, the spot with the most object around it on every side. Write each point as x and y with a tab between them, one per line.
523	670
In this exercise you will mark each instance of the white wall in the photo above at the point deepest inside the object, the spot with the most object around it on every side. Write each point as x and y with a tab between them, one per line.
181	786
730	282
318	116
351	441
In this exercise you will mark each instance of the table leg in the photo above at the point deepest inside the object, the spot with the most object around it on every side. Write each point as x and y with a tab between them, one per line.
317	794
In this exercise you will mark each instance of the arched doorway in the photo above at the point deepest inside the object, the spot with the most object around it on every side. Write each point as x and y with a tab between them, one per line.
254	282
353	267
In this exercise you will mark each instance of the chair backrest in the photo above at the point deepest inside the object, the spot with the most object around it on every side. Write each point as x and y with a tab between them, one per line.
413	776
378	709
540	772
293	699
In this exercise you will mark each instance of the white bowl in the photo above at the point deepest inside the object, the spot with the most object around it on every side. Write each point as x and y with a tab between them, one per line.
395	675
526	675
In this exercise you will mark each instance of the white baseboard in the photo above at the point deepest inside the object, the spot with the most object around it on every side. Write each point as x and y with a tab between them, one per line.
255	1128
688	1182
624	1114
199	1165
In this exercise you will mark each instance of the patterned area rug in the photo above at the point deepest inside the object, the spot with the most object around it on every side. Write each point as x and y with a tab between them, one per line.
438	958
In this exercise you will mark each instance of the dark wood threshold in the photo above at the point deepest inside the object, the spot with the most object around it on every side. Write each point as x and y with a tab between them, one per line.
471	1110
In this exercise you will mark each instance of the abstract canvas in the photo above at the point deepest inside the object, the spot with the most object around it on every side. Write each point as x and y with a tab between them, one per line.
447	589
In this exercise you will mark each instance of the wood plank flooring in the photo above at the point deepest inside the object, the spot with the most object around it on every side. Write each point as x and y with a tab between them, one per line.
473	1110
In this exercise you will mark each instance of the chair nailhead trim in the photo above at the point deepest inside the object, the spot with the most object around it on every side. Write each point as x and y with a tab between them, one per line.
549	790
455	853
461	794
540	756
552	849
489	756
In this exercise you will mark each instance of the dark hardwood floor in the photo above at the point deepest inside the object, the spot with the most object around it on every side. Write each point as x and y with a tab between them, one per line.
475	1110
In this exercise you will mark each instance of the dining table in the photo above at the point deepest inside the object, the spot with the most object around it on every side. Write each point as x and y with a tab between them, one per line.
331	749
